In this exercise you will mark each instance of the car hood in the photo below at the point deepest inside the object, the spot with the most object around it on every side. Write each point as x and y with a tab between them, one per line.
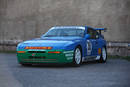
55	42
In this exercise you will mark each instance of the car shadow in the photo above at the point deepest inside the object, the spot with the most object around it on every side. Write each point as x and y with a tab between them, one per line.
68	65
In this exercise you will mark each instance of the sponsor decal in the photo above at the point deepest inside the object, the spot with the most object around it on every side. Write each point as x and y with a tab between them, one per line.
33	54
89	47
69	58
99	51
68	55
68	51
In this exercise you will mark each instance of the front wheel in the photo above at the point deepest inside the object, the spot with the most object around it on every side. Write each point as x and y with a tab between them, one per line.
77	60
103	57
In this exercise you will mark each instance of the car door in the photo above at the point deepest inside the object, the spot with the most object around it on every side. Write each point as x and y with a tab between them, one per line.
92	43
96	42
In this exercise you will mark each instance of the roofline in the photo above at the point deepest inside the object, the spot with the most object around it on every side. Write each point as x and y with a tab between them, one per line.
78	27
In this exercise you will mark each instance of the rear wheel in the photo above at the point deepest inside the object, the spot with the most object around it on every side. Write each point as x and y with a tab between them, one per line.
103	57
77	60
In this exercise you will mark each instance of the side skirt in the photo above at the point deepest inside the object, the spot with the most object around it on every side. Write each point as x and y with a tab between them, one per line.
90	58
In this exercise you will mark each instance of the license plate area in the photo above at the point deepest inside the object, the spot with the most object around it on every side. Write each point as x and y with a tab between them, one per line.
37	57
37	54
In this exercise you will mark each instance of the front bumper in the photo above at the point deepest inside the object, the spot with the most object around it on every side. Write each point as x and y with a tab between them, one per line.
43	56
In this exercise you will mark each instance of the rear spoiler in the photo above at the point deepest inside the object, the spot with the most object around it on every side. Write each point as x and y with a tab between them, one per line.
101	29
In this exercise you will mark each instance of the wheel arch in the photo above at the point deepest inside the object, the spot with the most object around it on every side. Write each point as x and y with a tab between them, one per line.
81	49
74	61
104	46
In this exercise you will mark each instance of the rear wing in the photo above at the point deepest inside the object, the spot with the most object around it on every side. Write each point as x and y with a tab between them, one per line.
101	29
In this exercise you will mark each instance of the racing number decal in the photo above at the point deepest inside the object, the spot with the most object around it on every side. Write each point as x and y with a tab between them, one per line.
89	47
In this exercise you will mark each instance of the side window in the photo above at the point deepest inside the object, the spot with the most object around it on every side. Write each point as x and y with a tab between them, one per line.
92	33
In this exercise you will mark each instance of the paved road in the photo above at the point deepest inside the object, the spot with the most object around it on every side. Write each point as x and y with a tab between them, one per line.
115	73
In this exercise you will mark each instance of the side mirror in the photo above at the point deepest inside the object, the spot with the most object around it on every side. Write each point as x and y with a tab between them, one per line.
87	36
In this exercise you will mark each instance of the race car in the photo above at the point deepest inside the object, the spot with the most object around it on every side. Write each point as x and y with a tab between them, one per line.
64	44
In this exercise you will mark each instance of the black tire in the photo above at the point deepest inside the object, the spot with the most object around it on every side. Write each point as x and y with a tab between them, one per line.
76	62
103	58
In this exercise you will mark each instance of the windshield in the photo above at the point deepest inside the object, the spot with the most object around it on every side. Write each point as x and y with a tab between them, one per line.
64	32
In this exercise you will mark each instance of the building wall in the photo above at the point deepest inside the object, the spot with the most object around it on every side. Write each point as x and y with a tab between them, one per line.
26	19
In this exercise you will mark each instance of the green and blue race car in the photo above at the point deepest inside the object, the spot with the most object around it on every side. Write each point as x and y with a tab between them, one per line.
64	44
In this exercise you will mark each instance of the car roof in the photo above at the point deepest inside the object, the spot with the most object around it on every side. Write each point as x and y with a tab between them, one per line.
76	27
66	27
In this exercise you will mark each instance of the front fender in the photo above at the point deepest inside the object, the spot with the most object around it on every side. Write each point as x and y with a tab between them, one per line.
73	45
